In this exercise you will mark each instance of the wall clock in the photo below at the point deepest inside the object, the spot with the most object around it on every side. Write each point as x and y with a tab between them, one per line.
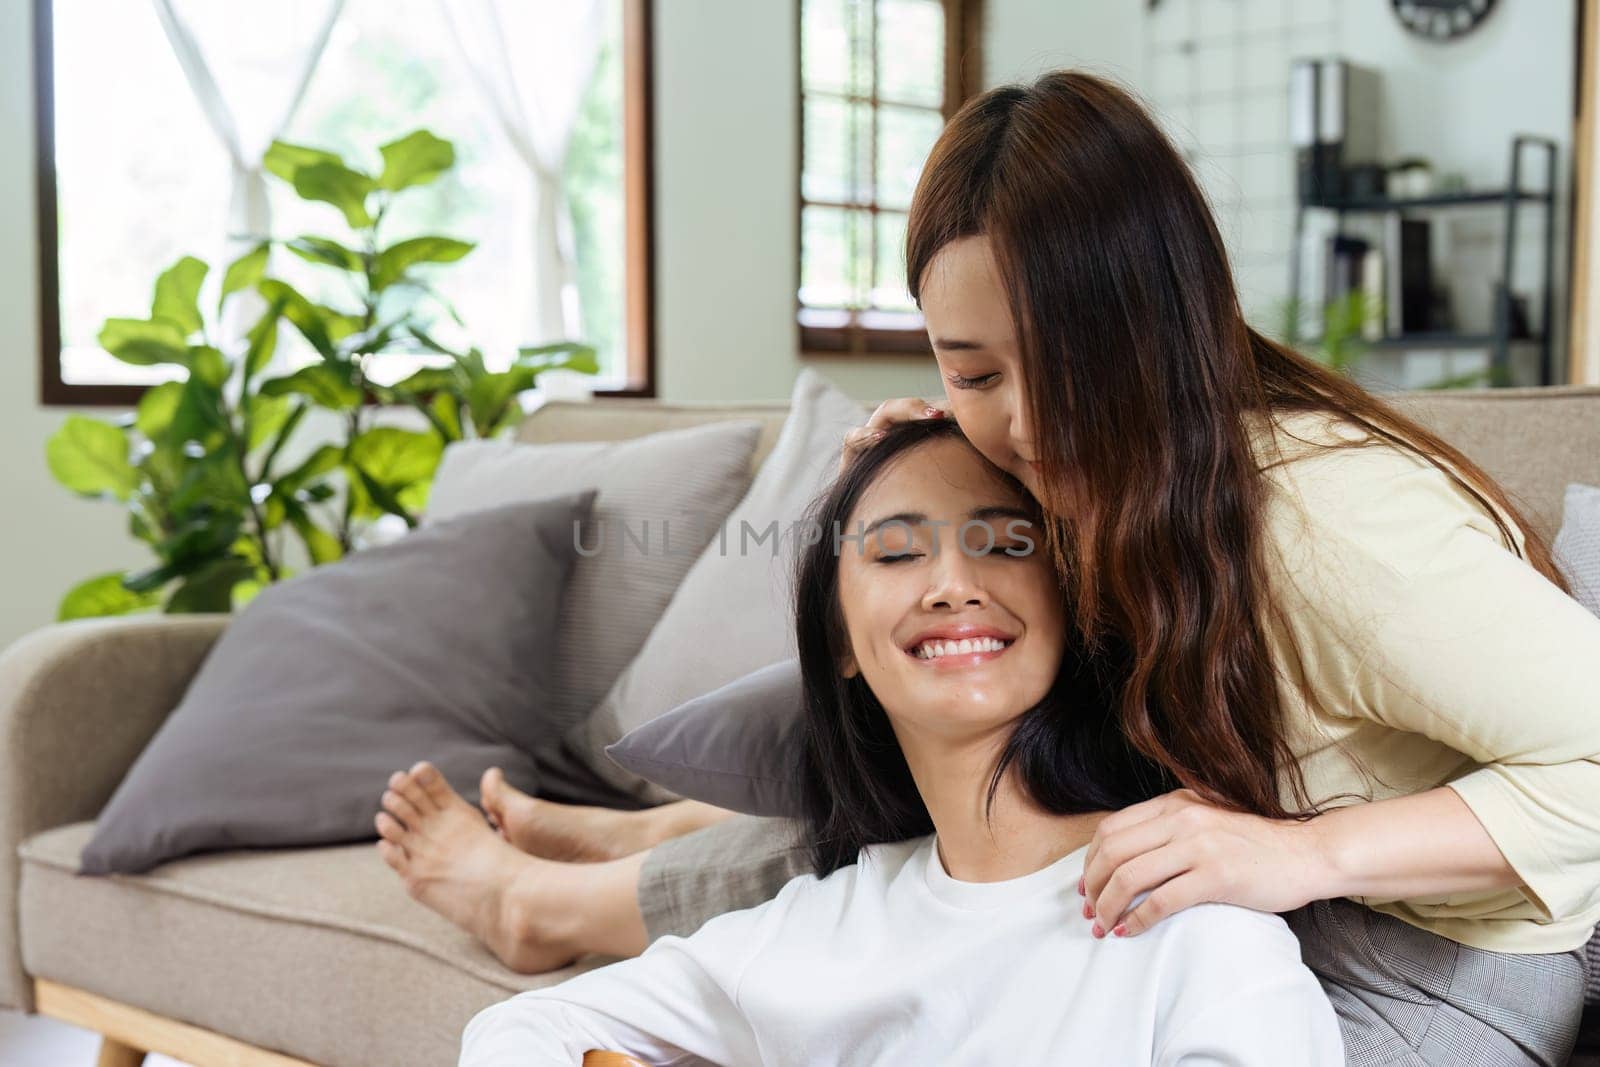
1441	20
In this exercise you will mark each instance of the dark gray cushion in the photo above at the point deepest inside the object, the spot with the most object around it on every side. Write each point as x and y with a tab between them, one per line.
734	747
436	646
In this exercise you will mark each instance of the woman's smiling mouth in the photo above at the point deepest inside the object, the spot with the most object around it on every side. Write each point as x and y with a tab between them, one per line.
950	653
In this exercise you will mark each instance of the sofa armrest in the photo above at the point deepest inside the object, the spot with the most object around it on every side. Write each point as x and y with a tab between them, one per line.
78	702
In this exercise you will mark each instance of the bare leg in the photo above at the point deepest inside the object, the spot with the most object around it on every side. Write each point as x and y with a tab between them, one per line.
579	833
534	914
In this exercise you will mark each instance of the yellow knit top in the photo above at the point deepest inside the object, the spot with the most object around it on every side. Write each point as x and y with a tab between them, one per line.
1416	649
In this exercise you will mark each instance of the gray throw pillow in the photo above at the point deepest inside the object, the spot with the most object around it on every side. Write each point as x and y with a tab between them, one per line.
1577	545
732	613
661	498
436	646
735	747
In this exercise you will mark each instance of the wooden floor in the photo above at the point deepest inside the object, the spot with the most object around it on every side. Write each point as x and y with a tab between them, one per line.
34	1041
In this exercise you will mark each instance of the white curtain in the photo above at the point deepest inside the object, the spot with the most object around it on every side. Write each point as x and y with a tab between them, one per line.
532	61
248	64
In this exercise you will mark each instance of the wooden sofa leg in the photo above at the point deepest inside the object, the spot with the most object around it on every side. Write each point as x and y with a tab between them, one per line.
114	1053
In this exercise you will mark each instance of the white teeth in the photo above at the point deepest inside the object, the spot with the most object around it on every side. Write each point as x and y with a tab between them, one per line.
935	649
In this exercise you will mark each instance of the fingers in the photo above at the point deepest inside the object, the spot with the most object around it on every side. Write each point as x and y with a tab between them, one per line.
1156	808
902	409
1184	891
1118	849
886	414
1144	873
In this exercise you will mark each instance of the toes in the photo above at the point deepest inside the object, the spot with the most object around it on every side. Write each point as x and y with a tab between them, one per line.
389	828
393	855
401	808
434	787
406	784
489	791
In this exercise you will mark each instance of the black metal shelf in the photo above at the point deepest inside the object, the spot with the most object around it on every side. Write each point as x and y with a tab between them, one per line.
1474	198
1498	340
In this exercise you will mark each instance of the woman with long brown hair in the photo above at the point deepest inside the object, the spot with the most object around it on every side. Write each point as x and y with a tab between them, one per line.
1356	656
1329	626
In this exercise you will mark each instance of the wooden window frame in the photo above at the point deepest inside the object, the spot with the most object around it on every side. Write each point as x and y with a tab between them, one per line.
638	90
963	71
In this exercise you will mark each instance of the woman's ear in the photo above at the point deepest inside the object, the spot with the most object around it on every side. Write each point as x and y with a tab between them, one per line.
849	667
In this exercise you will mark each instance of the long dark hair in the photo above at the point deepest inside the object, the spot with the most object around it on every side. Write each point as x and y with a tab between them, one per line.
1140	372
855	787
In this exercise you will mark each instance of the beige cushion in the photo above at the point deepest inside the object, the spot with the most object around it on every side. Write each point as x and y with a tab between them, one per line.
621	418
1533	441
685	479
318	953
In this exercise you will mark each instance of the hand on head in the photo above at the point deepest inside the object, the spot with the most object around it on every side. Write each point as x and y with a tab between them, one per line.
899	409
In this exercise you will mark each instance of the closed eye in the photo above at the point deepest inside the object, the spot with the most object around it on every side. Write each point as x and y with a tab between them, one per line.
961	381
899	556
1012	551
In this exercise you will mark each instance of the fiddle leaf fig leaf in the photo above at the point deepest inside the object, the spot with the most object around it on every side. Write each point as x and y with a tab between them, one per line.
103	595
326	251
244	272
145	343
268	414
177	298
262	341
156	410
284	159
325	384
393	262
415	159
310	319
91	457
208	365
336	184
394	457
210	589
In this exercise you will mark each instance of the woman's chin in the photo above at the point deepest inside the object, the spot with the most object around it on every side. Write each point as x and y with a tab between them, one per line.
966	699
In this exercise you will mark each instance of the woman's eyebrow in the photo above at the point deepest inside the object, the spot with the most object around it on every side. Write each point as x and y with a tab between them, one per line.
953	344
982	513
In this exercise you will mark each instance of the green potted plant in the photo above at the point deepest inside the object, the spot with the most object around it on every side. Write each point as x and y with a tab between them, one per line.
200	464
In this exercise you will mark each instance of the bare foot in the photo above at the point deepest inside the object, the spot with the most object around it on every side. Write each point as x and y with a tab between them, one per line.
518	905
574	833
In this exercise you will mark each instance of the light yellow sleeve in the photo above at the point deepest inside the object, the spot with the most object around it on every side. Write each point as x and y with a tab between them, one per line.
1478	651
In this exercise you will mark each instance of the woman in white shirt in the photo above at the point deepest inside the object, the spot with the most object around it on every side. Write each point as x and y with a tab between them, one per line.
958	756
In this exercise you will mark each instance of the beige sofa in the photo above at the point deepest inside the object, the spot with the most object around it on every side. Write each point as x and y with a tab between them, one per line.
318	954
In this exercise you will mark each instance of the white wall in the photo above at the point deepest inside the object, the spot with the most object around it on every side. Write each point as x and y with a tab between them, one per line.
726	178
48	538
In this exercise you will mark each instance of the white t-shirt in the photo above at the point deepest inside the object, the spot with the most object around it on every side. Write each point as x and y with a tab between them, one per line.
892	961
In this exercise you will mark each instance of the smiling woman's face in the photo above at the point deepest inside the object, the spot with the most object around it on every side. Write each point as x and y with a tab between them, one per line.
911	592
975	343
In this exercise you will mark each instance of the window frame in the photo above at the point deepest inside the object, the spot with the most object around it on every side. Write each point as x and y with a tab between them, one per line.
639	285
963	74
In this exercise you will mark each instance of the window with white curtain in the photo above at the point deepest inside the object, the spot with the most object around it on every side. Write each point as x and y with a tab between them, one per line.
142	177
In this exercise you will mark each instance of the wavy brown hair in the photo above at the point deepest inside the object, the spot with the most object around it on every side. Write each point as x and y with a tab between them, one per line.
1141	372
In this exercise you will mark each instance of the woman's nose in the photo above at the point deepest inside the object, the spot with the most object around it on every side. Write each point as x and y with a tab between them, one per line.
954	580
1021	427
